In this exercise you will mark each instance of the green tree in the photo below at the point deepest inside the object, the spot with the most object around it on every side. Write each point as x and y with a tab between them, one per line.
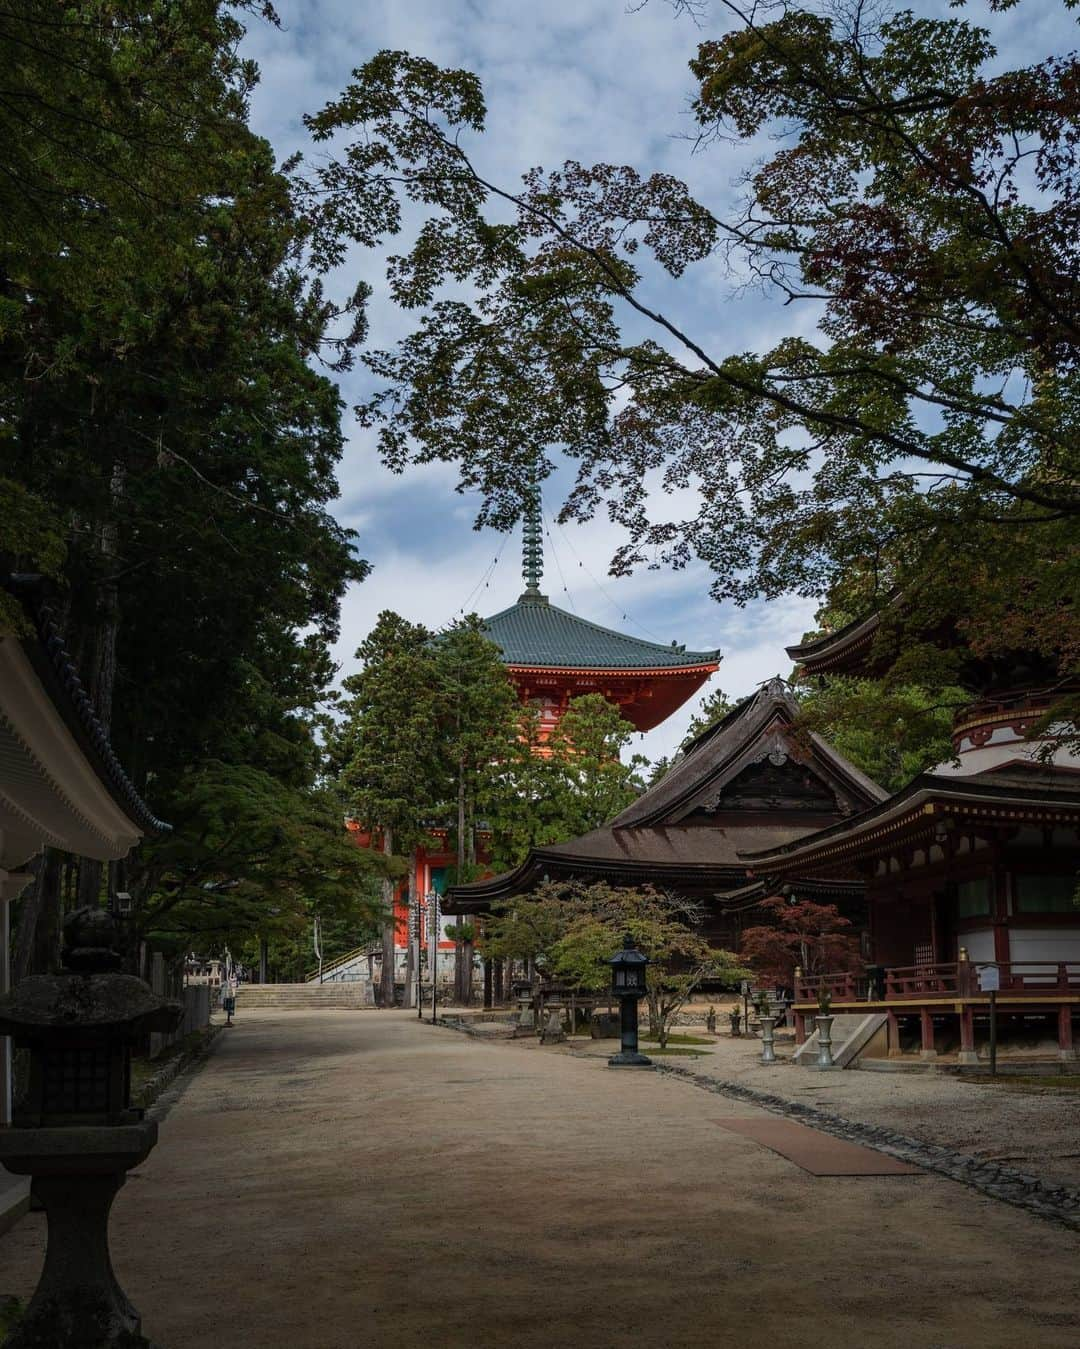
892	734
390	761
250	855
173	445
547	791
577	927
919	196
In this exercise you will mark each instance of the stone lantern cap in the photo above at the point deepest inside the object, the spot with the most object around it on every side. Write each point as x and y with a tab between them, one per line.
90	997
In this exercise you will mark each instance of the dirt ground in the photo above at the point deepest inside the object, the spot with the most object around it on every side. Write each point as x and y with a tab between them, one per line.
346	1179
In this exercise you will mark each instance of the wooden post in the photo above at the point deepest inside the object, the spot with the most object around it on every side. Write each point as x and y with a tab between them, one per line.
1065	1034
967	1036
893	1034
926	1027
800	1028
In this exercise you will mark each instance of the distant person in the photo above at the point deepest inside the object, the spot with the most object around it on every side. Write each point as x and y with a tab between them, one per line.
228	1001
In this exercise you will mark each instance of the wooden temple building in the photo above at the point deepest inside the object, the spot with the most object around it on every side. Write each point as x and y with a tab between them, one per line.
975	863
752	781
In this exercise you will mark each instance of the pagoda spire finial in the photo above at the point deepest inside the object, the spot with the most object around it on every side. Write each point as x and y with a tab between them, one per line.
532	540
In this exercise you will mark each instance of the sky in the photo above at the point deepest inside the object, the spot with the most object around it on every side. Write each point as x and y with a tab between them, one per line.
592	80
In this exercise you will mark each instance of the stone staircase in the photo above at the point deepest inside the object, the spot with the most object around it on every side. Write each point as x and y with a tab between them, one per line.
303	997
851	1035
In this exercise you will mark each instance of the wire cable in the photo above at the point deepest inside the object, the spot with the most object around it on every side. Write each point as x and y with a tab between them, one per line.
628	617
558	564
485	579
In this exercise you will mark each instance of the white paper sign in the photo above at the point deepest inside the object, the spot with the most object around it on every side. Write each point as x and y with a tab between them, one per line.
989	979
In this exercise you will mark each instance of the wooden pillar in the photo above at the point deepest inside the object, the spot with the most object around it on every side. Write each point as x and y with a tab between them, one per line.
12	884
800	1028
893	1034
926	1027
1001	908
967	1036
489	983
1065	1034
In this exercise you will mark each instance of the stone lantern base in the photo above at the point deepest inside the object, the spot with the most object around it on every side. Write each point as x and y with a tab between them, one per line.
77	1171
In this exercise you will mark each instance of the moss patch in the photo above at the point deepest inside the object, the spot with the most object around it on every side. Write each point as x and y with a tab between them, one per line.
680	1040
677	1050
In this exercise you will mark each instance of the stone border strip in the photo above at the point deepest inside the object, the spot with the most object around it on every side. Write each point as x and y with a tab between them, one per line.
154	1087
1055	1203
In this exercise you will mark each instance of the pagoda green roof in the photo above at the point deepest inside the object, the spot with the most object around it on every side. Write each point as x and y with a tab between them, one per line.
536	633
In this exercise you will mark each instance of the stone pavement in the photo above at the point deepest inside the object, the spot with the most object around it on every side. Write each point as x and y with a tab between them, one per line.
347	1179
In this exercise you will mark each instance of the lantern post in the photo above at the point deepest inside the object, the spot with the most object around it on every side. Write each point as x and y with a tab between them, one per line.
628	985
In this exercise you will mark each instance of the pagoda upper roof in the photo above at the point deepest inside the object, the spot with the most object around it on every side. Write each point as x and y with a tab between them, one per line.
536	634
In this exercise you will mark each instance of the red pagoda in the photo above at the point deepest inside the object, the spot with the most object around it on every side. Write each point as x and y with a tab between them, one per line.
553	656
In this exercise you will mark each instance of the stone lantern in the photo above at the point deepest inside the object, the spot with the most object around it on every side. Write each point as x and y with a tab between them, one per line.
75	1132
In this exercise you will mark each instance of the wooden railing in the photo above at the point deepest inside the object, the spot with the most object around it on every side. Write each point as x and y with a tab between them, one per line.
920	981
844	987
1037	976
947	979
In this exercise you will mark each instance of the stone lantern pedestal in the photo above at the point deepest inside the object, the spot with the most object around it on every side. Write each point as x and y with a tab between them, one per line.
76	1133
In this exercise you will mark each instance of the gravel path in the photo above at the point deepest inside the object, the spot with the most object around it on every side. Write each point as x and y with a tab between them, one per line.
356	1179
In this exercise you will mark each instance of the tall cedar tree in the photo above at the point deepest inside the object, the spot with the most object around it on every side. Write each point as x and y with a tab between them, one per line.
918	195
391	767
427	719
168	444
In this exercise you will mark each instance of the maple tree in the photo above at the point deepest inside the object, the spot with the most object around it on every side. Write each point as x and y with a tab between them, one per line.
815	937
918	199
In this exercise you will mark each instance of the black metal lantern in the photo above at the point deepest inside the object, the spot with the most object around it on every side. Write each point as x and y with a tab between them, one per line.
628	985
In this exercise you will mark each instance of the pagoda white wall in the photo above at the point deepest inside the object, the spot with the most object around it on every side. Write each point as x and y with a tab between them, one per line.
1004	746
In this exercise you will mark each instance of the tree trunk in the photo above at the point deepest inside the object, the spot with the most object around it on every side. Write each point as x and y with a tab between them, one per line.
459	953
386	977
412	974
44	938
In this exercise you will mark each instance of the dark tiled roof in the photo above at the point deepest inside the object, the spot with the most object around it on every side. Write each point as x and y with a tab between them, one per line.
692	845
720	751
535	633
56	670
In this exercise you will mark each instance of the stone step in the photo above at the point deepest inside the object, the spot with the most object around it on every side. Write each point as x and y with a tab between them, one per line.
304	997
851	1034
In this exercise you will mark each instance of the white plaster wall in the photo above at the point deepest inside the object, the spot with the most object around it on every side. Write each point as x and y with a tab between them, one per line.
1044	943
980	945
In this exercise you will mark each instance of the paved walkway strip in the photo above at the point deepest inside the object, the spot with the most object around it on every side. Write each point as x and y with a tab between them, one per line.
820	1154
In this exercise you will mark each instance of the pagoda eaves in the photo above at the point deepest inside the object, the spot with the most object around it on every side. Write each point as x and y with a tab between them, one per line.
553	656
